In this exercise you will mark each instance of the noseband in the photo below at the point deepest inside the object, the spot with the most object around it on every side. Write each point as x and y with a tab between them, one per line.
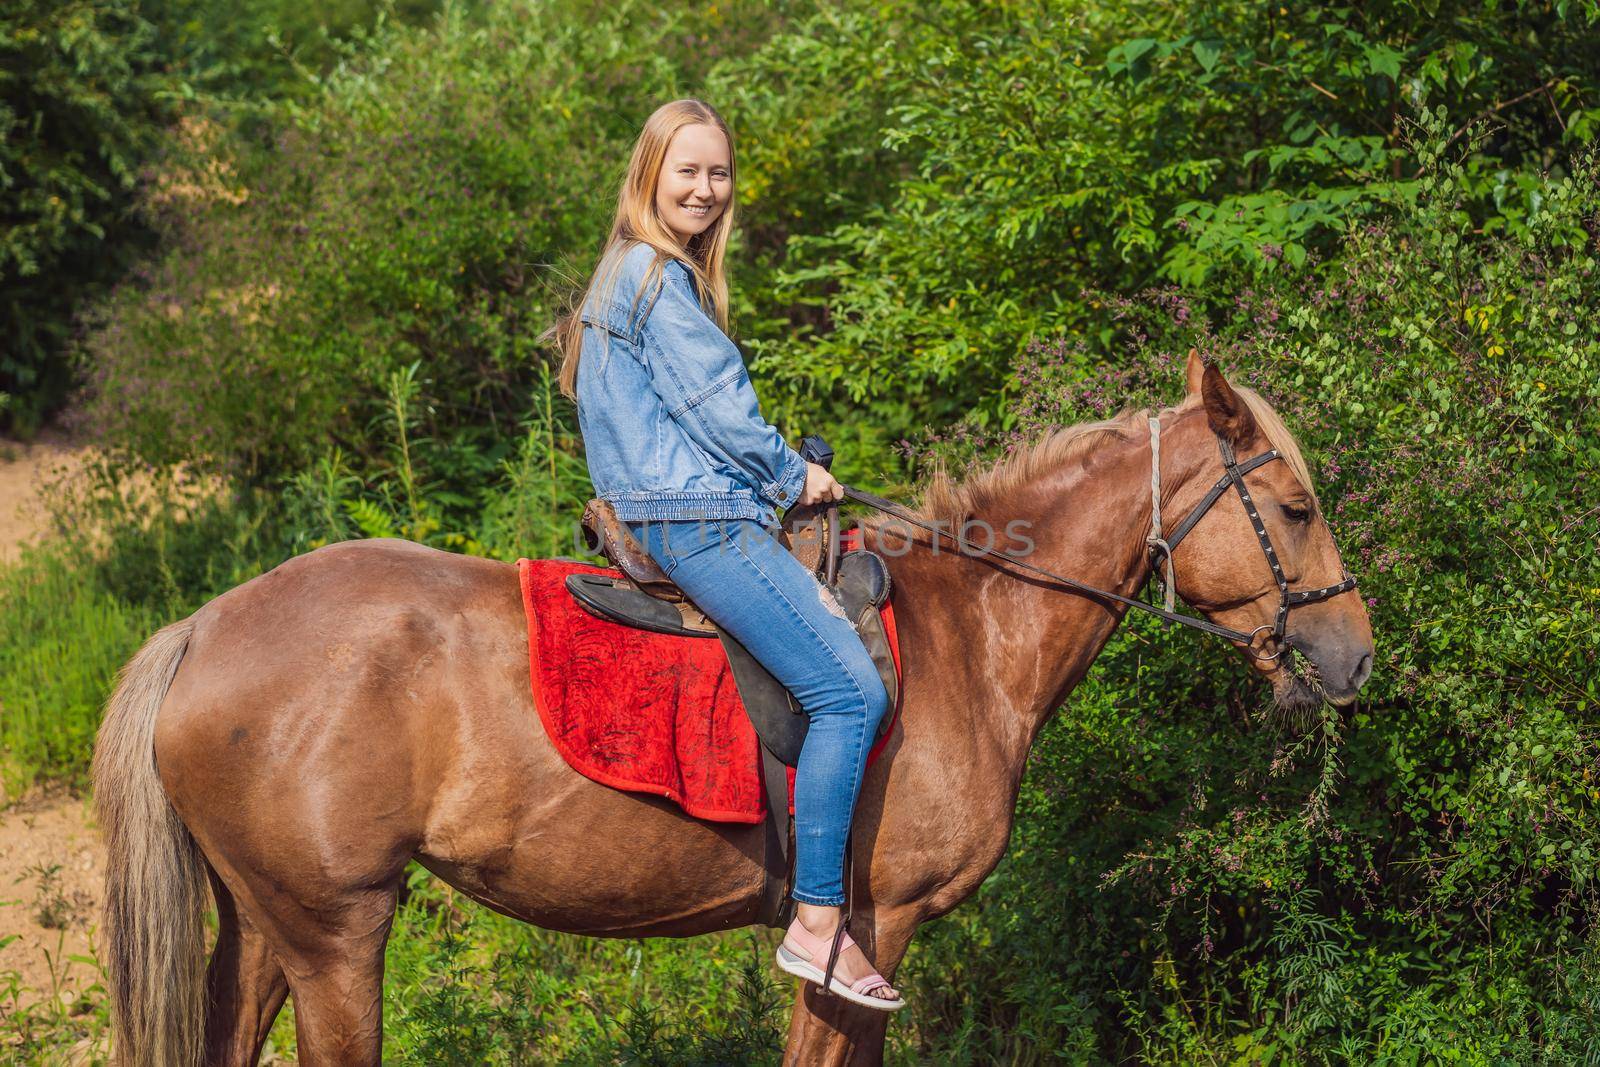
1162	548
1233	474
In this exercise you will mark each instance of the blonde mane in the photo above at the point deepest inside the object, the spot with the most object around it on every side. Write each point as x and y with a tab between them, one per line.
954	502
946	499
1279	437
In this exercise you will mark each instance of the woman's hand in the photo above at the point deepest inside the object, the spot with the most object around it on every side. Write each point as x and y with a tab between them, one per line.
820	486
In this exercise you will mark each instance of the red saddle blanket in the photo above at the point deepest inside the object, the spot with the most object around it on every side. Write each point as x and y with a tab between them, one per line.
643	711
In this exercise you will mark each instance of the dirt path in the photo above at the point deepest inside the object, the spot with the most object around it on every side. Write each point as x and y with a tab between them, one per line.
23	469
51	866
51	862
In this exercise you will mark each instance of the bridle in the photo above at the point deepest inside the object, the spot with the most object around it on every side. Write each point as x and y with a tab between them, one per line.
1161	549
1233	474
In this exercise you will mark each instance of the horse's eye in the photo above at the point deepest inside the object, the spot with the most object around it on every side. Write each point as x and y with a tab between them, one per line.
1295	514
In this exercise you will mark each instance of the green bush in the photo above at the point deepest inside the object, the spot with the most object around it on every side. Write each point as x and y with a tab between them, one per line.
1194	881
437	200
467	986
89	89
1038	148
431	209
80	108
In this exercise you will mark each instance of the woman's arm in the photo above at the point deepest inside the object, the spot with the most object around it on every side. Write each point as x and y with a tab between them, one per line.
701	378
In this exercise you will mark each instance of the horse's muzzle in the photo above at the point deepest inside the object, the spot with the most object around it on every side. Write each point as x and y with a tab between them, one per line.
1343	666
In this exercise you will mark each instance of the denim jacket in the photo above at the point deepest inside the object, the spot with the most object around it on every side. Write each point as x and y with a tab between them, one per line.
671	425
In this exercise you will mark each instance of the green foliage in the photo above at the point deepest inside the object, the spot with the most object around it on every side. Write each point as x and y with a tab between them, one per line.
472	987
145	548
59	650
1038	148
80	107
424	212
87	90
247	58
1413	883
436	202
526	507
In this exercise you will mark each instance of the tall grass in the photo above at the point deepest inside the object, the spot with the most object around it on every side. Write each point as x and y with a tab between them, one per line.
62	640
464	985
135	548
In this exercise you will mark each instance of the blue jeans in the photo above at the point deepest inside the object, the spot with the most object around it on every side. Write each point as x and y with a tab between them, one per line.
744	580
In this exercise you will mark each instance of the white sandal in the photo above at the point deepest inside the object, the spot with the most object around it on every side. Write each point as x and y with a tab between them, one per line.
800	951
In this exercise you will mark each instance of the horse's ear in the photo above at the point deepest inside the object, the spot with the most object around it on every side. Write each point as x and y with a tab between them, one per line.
1227	414
1193	371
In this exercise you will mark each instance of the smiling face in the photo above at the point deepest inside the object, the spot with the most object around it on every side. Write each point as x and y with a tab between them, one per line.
696	180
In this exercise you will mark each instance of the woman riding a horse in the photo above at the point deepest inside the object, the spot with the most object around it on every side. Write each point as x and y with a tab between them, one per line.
676	444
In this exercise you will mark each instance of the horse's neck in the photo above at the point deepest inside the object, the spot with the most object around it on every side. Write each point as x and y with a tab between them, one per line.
1007	647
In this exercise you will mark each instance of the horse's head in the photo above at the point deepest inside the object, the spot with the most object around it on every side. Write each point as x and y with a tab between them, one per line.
1223	569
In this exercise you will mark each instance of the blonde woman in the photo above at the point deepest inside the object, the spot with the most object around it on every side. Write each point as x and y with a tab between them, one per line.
676	443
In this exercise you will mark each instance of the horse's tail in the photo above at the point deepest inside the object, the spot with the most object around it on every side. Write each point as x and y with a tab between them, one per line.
155	876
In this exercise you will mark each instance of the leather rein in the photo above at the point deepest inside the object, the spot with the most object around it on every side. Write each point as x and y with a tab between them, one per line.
1161	549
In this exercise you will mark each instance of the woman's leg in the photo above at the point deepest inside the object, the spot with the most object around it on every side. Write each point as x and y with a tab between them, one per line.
744	580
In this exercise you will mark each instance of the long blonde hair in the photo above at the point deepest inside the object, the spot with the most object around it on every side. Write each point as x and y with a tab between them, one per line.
637	222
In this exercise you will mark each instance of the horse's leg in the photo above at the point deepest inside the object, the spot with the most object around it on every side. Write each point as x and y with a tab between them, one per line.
325	932
333	958
245	986
829	1030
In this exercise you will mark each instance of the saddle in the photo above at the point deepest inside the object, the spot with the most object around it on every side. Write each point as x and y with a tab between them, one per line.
643	596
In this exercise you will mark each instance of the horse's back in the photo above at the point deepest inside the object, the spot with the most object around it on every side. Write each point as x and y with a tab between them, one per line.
355	614
359	574
342	688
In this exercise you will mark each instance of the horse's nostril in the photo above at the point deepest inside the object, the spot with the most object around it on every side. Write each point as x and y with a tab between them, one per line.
1363	671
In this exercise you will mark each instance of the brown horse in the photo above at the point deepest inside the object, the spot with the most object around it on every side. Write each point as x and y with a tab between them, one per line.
300	739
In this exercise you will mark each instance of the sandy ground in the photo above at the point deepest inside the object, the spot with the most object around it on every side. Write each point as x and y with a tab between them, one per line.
23	469
51	865
51	862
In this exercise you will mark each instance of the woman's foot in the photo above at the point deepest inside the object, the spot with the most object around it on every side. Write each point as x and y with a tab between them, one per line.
807	945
